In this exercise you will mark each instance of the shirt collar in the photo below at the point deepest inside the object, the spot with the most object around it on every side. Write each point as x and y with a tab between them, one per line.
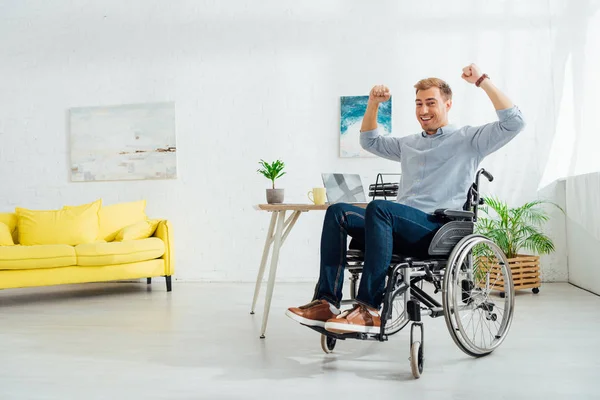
443	130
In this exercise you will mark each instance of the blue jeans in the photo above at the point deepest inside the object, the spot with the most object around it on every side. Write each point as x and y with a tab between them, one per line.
384	227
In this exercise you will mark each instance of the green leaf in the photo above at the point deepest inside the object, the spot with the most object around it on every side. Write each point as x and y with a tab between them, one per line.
513	229
273	170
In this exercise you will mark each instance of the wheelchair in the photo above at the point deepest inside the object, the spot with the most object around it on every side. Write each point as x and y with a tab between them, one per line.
464	266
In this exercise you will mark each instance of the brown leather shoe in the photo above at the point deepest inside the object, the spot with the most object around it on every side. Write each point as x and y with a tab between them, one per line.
314	313
358	319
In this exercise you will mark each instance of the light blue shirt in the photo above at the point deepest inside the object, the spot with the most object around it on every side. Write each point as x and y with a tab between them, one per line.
438	169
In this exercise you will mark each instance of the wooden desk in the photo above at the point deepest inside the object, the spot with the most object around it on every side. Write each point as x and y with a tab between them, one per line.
279	229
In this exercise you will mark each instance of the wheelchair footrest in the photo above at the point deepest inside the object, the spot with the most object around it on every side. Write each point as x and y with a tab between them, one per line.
350	335
413	307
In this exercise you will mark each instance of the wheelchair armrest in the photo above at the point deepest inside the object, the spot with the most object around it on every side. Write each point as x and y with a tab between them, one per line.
453	214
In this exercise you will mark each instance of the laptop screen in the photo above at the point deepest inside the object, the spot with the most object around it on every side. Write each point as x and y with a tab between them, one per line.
344	188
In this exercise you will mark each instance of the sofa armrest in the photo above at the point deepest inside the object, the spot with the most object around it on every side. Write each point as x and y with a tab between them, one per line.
164	231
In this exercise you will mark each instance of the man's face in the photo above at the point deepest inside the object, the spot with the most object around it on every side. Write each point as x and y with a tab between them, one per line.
432	109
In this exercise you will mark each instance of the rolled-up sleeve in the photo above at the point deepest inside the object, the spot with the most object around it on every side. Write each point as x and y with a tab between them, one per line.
488	138
382	146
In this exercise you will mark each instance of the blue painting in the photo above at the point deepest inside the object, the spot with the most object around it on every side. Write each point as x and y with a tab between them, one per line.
352	112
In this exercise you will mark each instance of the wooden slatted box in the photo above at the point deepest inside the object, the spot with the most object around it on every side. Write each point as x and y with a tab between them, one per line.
525	271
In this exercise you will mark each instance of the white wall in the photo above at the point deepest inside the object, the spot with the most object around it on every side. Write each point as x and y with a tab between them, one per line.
583	230
554	266
256	80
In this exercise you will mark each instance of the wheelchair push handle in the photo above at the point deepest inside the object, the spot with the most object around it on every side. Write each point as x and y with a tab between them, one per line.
475	200
487	175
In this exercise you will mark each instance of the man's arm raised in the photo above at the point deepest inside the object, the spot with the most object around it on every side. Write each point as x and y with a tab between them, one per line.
490	137
379	94
370	140
472	74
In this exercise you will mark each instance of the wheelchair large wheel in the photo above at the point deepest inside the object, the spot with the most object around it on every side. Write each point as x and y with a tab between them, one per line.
478	322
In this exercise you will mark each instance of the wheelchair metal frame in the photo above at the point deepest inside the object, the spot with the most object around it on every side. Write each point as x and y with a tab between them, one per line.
405	273
402	279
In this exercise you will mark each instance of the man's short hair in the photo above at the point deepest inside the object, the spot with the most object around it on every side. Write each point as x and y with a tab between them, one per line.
428	83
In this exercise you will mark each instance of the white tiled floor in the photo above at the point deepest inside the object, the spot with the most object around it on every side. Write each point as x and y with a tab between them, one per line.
130	341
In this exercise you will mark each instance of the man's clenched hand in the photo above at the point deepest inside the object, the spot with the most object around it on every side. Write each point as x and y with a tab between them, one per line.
379	94
471	73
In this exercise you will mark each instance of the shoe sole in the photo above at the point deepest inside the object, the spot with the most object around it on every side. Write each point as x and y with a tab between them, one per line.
304	321
336	327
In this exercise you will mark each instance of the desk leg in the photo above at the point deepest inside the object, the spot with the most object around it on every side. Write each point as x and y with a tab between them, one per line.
273	269
263	262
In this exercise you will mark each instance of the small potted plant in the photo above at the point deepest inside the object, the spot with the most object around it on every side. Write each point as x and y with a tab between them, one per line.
272	172
516	229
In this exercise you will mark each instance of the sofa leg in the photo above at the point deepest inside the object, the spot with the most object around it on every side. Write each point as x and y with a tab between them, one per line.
148	280
168	278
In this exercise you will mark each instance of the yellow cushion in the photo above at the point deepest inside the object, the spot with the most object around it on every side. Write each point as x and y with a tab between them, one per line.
115	217
130	251
139	230
70	226
10	219
6	238
40	256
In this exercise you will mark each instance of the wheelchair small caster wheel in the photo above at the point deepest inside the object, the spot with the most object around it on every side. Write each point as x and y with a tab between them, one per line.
502	294
416	350
416	359
535	290
327	343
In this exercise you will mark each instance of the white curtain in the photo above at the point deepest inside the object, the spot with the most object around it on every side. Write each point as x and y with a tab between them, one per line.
573	155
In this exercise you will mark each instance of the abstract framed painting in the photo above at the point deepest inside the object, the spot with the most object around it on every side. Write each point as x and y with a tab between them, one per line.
123	142
352	111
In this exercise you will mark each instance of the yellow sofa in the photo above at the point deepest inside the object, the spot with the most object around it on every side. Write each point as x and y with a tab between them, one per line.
81	244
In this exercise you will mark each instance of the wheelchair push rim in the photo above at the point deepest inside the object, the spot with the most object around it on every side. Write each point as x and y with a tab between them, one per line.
398	318
478	322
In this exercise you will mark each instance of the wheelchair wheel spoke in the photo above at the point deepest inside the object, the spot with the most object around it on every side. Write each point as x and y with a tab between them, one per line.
469	324
478	330
483	326
490	331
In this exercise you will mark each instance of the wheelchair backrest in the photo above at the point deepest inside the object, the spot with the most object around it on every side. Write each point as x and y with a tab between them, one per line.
448	236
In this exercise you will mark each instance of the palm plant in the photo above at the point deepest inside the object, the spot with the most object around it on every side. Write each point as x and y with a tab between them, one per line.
513	229
272	171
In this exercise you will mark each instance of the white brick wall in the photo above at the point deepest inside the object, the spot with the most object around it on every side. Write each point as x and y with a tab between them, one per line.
251	80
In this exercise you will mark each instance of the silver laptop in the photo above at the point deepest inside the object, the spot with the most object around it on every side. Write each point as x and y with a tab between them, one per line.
344	188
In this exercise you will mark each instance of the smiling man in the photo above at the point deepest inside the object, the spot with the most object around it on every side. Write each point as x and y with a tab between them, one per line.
438	166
